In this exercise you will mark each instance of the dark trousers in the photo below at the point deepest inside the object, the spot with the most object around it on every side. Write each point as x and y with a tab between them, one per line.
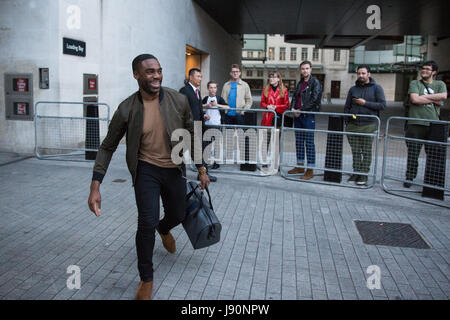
238	119
305	139
361	146
415	131
151	183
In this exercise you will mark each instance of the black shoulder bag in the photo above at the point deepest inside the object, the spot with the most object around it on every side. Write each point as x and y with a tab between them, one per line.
201	223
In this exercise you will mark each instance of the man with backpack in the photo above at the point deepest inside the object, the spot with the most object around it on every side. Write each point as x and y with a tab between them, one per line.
426	96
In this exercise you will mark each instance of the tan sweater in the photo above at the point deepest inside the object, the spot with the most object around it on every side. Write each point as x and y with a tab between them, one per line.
155	144
244	98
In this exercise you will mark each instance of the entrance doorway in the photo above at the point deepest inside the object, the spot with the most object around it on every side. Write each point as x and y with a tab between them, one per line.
335	89
196	58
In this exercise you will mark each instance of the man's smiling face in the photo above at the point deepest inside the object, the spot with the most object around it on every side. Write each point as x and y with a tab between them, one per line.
149	76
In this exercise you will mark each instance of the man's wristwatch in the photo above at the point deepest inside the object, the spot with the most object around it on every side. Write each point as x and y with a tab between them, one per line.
202	170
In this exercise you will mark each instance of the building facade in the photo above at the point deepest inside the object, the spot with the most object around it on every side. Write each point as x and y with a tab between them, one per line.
62	41
392	66
330	66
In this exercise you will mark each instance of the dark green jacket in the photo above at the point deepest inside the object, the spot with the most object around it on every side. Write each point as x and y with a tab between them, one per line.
128	119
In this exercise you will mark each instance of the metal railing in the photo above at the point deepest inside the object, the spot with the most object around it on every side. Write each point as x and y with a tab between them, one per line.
416	172
241	148
63	132
325	146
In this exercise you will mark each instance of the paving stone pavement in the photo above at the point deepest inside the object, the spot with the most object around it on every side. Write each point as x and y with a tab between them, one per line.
280	240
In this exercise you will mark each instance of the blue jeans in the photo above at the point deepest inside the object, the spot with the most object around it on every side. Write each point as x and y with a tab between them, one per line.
305	138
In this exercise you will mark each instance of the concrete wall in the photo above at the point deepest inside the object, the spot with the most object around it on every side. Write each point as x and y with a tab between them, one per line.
115	31
438	51
28	38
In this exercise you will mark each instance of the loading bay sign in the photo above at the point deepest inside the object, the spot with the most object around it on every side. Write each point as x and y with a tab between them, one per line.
74	47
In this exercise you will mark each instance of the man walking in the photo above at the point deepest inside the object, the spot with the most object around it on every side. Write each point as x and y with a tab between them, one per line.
426	98
307	97
365	98
237	95
192	91
148	119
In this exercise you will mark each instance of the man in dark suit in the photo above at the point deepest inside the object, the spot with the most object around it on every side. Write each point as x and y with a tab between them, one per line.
192	91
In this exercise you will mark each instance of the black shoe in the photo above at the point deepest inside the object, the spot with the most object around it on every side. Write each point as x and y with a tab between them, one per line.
215	166
362	180
407	184
353	177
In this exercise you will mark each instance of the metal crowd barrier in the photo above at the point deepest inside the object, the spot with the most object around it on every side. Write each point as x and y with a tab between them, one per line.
64	132
333	154
414	168
248	149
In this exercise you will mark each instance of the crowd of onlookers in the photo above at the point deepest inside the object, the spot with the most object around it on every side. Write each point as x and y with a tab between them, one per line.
366	98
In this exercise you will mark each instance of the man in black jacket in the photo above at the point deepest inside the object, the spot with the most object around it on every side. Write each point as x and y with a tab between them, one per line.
148	119
365	98
192	92
307	97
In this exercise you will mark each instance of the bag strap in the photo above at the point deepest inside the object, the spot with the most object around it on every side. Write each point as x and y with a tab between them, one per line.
190	194
209	198
426	86
428	90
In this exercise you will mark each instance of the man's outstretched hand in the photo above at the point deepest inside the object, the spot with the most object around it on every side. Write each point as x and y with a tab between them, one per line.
95	199
203	177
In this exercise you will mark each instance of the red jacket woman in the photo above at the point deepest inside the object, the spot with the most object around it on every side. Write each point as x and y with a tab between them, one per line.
275	96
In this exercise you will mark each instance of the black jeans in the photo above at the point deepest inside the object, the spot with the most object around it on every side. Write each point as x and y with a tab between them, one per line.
151	183
414	148
238	119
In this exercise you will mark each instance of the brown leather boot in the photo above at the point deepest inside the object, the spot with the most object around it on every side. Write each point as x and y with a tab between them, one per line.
296	170
168	242
144	292
308	175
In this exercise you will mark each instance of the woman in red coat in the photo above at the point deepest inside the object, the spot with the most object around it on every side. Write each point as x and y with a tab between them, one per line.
275	96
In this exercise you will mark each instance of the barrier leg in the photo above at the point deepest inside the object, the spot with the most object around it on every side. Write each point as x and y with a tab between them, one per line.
333	156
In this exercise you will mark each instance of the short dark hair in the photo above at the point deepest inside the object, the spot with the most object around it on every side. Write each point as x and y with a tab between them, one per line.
363	66
137	61
235	66
211	82
306	62
193	71
432	64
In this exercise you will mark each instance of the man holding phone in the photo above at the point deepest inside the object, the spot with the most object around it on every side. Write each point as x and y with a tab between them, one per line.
365	98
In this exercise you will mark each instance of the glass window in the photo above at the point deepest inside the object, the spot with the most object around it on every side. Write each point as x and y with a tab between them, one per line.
315	54
337	54
260	73
271	53
304	54
293	54
249	73
282	54
249	54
